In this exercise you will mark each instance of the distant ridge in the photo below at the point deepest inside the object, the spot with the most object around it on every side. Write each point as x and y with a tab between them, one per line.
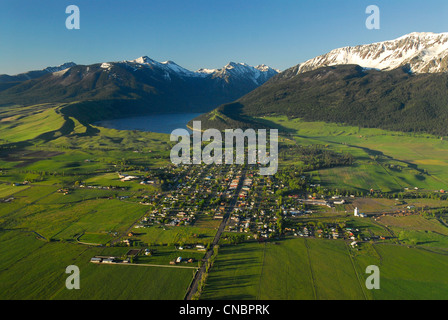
134	87
399	85
421	52
35	73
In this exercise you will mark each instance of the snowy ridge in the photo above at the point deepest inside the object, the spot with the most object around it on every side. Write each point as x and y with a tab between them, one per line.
259	74
423	52
62	67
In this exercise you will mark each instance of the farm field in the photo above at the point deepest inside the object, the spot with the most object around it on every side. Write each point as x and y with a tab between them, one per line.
53	222
46	279
375	150
414	223
321	269
408	273
67	221
416	230
159	235
7	190
288	270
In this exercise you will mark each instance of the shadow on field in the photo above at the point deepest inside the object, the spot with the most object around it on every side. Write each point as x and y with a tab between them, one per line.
239	263
231	283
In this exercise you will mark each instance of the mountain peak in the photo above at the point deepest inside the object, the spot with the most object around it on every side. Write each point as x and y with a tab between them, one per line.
35	73
258	74
143	60
232	65
62	67
422	52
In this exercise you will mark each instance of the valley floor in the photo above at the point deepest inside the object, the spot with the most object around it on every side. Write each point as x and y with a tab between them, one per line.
70	191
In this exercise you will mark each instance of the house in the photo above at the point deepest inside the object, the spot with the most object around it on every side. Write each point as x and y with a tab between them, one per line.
109	260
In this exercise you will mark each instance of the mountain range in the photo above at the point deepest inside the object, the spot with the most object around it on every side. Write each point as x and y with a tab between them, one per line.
139	86
400	84
419	52
397	85
34	74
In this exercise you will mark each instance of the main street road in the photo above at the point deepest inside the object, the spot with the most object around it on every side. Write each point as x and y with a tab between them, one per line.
194	285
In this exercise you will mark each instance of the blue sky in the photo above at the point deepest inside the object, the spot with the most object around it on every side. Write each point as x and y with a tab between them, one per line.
200	33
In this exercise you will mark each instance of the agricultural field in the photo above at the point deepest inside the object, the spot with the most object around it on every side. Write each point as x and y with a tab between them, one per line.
7	190
417	160
416	230
160	235
46	279
69	205
51	222
407	273
321	269
69	221
287	270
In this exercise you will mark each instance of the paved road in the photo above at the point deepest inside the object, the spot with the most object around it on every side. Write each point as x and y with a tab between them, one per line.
194	285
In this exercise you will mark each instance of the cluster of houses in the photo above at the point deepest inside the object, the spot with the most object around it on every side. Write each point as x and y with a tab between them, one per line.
326	231
102	187
165	217
180	260
247	183
64	191
145	180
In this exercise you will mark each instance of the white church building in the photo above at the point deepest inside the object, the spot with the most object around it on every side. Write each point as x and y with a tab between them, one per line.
361	215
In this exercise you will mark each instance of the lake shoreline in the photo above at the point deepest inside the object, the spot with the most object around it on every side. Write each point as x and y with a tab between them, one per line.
159	123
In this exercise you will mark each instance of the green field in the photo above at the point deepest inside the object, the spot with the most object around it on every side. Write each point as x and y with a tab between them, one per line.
408	273
170	235
286	270
33	269
375	150
44	229
320	269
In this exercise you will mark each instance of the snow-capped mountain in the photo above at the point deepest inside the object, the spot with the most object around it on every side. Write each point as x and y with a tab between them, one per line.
62	67
35	73
167	66
423	52
152	86
259	74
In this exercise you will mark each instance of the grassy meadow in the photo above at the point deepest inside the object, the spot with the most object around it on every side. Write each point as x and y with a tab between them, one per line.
43	230
420	160
324	270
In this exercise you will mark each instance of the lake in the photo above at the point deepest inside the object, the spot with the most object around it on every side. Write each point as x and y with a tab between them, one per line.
160	123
